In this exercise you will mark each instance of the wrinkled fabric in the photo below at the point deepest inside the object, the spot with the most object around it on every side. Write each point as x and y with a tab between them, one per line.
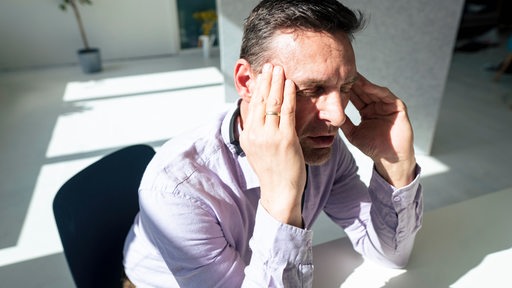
200	223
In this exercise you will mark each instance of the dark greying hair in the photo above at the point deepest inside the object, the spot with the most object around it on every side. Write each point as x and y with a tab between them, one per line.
271	16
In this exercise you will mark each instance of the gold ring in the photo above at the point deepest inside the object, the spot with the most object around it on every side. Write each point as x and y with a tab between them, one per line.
272	113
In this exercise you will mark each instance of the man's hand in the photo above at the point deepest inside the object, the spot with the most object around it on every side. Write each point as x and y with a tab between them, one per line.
272	147
384	134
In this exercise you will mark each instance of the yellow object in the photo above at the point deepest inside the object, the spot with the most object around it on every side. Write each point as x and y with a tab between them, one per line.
208	19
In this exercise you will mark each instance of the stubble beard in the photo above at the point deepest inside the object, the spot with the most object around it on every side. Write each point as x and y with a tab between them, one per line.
316	156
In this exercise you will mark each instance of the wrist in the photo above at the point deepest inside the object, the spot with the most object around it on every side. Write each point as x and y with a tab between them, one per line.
397	174
287	212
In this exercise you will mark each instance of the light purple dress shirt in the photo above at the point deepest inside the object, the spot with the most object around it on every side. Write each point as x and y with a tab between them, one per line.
200	223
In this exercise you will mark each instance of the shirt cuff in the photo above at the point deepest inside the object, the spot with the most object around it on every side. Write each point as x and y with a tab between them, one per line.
276	242
391	196
397	213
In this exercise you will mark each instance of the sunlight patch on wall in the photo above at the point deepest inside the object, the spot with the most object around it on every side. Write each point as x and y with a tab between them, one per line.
431	166
141	84
97	124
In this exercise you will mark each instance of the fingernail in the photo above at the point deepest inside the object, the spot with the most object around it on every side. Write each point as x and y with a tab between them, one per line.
277	70
266	67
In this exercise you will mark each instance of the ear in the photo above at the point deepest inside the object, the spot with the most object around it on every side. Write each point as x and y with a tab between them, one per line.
244	79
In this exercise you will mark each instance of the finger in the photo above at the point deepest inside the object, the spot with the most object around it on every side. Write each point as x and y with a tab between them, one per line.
379	109
259	96
357	101
370	92
383	108
288	106
358	97
275	97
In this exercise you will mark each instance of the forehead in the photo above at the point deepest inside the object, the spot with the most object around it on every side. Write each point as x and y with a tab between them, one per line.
314	56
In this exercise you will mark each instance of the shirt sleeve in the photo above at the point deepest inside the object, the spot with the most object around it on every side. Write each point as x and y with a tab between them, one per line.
281	254
395	218
192	243
380	220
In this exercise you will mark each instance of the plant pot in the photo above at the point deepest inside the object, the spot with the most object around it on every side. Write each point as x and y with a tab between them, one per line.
90	60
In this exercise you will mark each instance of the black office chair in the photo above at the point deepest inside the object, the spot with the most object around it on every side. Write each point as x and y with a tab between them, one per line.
94	211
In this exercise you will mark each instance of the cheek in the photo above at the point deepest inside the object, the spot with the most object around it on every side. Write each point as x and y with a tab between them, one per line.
305	113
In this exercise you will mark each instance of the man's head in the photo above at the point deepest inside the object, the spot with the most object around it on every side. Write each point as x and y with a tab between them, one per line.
271	16
311	41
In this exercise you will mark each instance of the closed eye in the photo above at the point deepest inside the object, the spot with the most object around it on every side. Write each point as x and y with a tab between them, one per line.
311	92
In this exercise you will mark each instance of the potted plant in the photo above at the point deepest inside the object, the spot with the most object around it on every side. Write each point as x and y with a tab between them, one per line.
206	39
90	58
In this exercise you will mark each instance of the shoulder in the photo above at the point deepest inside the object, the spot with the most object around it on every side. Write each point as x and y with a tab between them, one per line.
189	163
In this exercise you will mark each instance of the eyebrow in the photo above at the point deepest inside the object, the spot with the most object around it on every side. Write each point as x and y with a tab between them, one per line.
351	81
318	82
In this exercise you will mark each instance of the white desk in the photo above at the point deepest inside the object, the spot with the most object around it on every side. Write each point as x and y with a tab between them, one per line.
468	244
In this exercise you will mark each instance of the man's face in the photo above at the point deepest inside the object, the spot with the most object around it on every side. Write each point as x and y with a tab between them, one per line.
323	68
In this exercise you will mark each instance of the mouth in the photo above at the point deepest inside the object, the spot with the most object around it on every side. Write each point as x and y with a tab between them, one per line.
321	141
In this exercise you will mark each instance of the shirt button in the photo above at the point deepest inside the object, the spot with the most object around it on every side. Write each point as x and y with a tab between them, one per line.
397	198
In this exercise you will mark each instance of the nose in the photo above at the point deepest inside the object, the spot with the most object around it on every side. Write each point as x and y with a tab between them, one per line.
332	108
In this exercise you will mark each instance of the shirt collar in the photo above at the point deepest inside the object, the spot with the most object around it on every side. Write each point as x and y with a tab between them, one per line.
230	130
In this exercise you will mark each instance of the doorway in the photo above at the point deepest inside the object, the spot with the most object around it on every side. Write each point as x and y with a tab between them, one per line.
190	27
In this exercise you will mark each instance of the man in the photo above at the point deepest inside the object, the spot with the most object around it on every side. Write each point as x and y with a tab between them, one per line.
232	205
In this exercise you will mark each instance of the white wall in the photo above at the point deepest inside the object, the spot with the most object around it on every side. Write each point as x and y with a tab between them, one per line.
408	47
38	33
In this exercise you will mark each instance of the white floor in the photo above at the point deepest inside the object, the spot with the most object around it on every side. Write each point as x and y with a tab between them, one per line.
55	121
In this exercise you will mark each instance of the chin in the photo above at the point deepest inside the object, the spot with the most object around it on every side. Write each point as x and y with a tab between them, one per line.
318	156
